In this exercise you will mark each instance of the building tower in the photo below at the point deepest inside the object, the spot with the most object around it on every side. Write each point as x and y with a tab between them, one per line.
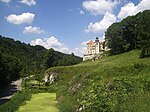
94	49
97	45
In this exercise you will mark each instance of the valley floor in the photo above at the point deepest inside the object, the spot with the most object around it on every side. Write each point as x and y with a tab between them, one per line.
41	102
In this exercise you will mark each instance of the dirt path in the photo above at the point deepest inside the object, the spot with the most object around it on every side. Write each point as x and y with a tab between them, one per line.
10	91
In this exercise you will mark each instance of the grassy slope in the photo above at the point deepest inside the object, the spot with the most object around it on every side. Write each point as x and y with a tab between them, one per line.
73	81
41	102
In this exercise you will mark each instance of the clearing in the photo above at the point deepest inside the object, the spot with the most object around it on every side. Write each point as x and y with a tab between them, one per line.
41	102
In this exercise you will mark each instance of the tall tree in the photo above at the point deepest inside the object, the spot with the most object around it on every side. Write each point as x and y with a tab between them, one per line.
131	33
115	39
144	33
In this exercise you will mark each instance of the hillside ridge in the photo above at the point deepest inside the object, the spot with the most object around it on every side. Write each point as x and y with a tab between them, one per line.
119	76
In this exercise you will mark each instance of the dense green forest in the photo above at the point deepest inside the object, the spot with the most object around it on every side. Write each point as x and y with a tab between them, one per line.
19	59
131	33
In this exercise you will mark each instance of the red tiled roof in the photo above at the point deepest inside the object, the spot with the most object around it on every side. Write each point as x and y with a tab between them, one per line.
90	42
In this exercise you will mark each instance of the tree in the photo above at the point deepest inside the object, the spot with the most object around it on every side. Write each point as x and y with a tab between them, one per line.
131	33
3	73
144	33
55	58
18	59
39	77
115	39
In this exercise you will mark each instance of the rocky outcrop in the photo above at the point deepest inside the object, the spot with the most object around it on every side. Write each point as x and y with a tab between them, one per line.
92	56
51	77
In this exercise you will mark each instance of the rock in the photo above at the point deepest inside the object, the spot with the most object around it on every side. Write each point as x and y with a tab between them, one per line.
80	108
50	78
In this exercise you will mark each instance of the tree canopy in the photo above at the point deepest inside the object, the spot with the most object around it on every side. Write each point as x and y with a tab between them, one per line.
131	33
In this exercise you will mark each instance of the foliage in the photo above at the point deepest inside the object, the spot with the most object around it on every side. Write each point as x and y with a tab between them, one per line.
18	59
16	101
67	106
110	96
131	33
9	69
143	34
53	58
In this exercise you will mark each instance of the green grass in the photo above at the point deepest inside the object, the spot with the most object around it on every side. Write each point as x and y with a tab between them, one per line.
34	82
41	102
126	71
138	103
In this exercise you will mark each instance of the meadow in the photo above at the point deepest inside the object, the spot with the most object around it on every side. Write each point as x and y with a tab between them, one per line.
41	102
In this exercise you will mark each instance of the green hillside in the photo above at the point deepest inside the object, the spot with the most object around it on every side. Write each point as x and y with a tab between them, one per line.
113	83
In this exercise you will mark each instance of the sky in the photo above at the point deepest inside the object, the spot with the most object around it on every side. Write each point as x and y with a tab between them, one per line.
64	25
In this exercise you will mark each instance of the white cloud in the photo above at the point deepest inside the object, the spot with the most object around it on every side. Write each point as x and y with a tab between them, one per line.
99	7
28	2
130	9
6	1
143	5
51	42
64	50
31	29
81	49
101	26
81	12
20	19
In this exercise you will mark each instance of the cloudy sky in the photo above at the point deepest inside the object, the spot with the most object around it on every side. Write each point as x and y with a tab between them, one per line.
65	25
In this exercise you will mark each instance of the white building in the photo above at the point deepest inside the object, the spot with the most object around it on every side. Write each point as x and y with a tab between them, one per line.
94	49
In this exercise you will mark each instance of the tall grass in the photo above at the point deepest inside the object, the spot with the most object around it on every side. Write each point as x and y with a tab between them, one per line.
77	81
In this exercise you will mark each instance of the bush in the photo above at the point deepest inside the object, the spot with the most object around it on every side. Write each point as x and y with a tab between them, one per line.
16	101
110	96
67	106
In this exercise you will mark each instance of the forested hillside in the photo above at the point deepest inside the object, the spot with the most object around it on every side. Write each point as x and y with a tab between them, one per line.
18	59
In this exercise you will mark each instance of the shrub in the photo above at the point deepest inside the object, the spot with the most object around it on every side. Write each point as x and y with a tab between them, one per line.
111	95
67	106
16	101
